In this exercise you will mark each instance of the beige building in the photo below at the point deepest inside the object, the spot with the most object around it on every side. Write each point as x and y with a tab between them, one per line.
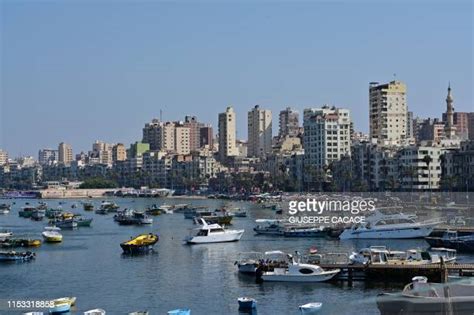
227	134
64	153
182	139
388	113
168	136
259	132
3	157
119	152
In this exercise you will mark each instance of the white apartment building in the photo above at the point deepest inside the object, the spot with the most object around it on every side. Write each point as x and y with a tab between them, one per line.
388	113
227	134
326	135
48	156
259	132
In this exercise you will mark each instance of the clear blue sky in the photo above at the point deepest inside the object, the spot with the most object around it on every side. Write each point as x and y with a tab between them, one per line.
77	71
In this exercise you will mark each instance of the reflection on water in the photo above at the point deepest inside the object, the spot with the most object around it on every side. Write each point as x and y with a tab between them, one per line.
89	264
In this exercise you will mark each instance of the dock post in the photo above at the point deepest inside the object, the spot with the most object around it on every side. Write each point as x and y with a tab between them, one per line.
349	276
444	271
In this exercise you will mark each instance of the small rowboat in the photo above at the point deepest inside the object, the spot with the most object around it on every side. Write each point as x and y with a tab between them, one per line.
97	311
310	308
180	312
140	244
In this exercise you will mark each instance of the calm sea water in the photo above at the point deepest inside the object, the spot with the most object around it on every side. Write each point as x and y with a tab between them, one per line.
89	265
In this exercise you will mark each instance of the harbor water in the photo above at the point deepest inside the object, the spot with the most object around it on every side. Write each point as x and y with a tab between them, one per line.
89	265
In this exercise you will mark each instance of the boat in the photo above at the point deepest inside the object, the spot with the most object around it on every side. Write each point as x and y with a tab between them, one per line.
60	308
96	311
212	233
390	226
132	217
38	214
451	239
109	206
139	313
42	205
81	221
180	207
380	255
88	206
101	211
269	227
140	244
240	213
53	213
166	209
246	303
51	234
215	219
181	311
422	297
26	211
71	300
191	213
64	223
5	208
10	243
16	256
249	262
299	231
310	308
153	210
5	235
299	272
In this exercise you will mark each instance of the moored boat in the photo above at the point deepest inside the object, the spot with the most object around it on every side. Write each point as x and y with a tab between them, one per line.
51	234
64	223
60	308
390	226
10	243
451	239
5	235
38	214
16	256
422	297
299	231
269	227
246	303
299	272
181	311
153	210
88	206
82	221
96	311
109	206
310	308
140	244
132	217
26	211
5	208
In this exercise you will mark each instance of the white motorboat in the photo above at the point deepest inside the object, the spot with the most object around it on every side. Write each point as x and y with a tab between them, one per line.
97	311
269	227
393	226
380	255
166	209
212	233
299	272
310	308
51	234
5	235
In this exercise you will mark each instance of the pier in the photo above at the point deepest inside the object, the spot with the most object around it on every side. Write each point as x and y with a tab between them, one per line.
398	272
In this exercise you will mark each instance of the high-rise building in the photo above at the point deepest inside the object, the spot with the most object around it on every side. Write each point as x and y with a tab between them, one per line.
259	132
289	123
431	130
227	134
119	152
326	136
48	156
64	153
206	136
388	112
182	143
102	152
470	126
153	134
3	157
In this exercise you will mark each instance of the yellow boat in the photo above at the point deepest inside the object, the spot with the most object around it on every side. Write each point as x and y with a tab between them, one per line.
66	300
34	243
51	235
139	244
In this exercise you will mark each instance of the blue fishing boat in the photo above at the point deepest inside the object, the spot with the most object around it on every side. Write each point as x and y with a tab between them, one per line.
246	303
16	256
60	308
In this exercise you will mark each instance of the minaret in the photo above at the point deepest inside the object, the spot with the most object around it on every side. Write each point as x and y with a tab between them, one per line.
449	127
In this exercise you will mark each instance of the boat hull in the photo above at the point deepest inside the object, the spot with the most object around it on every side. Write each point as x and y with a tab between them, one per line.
221	238
405	233
326	276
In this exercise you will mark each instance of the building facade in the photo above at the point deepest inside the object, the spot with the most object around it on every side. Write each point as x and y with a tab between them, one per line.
227	134
259	132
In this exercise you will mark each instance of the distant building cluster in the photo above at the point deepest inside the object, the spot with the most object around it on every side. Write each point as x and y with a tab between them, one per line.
324	152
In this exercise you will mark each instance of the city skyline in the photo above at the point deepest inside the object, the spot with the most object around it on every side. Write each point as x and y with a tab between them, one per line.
111	91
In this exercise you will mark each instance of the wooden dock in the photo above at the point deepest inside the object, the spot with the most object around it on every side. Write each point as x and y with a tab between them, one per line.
400	272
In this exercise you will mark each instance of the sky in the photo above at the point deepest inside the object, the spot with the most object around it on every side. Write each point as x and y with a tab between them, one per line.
80	71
